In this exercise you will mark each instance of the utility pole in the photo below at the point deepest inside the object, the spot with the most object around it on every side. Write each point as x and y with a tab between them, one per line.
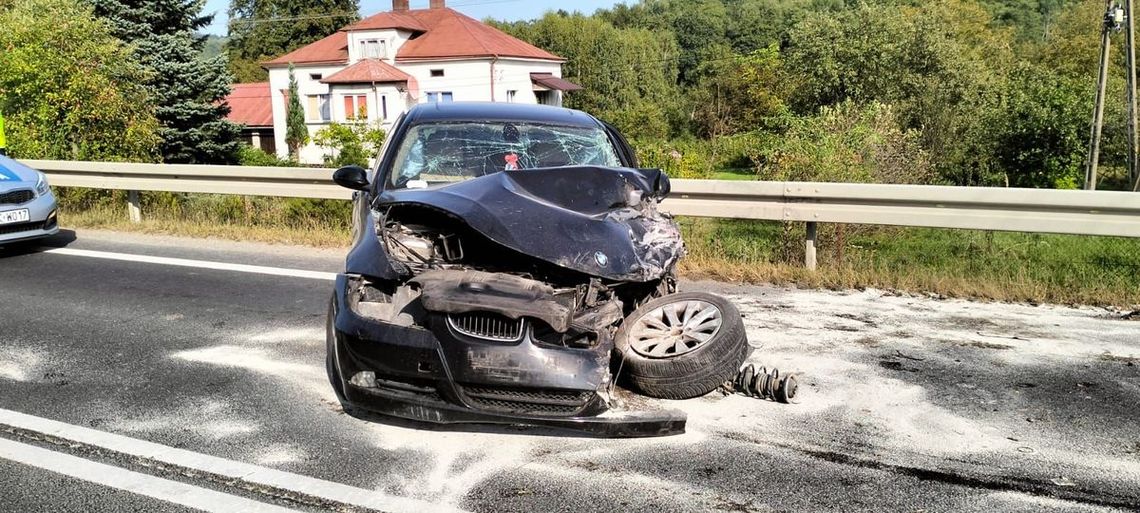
1116	19
1101	84
1130	51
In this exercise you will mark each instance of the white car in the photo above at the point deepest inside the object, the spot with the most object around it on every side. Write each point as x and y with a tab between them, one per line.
27	206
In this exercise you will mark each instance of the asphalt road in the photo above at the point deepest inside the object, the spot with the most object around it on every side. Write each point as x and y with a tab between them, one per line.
909	403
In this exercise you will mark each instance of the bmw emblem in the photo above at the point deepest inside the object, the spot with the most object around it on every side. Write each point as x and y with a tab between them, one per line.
601	259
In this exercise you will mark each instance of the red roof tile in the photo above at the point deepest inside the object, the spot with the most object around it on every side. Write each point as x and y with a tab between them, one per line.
443	34
367	71
549	81
250	104
451	34
388	20
330	50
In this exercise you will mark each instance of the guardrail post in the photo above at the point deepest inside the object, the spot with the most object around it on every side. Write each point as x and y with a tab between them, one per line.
809	247
134	207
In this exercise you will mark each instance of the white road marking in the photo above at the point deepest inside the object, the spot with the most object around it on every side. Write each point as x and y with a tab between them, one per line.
142	484
326	490
201	264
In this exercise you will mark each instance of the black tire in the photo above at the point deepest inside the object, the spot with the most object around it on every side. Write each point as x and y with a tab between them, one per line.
331	369
690	374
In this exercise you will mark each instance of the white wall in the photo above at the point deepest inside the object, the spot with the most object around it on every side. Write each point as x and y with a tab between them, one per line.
306	85
512	74
467	79
395	39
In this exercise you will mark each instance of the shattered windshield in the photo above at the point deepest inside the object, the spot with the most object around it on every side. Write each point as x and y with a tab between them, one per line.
451	152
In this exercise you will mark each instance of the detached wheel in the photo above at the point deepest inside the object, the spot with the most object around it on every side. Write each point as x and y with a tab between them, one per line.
682	346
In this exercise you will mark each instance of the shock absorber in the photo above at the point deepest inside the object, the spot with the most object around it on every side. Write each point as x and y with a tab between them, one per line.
764	385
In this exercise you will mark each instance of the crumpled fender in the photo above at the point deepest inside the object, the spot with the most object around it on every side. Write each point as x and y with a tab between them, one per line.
367	256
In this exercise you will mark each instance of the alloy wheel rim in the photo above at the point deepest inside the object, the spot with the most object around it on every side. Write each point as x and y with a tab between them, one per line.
676	328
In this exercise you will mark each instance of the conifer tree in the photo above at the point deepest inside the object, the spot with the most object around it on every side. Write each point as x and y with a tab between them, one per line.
296	133
187	88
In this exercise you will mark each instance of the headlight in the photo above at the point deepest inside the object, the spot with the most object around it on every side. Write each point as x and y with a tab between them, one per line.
42	186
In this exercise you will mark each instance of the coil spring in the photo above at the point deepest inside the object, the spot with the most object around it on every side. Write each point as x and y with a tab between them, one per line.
764	385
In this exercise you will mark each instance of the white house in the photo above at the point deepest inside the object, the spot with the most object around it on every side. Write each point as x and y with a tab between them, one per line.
377	68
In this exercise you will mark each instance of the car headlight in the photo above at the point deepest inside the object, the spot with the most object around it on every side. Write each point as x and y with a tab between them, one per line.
42	187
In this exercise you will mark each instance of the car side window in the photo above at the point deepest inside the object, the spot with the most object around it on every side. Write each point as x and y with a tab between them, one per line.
629	156
376	173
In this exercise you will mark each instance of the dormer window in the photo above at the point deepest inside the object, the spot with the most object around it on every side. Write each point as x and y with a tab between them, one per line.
373	49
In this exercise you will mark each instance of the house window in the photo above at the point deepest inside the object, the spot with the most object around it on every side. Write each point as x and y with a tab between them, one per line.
384	107
315	76
373	49
437	72
355	107
440	97
318	107
544	97
511	96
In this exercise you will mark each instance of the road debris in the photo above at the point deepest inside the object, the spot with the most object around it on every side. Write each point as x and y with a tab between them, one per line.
761	384
914	358
1009	337
1063	481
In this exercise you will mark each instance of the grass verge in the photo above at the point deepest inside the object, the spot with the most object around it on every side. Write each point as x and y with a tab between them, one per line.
957	263
316	234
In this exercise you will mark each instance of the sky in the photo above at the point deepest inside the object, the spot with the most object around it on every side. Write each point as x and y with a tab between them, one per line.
509	10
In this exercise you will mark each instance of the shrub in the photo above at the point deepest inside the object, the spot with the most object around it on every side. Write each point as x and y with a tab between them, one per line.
846	143
250	156
351	143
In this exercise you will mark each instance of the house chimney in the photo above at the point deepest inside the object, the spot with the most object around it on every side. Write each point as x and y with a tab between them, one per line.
438	4
399	5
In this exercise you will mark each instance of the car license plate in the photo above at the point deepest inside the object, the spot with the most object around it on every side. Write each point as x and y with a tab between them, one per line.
14	216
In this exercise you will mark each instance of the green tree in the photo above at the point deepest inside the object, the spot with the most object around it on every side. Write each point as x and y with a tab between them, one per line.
738	93
629	75
260	30
296	132
1072	51
756	24
1032	19
68	88
697	26
1042	130
188	89
941	64
350	143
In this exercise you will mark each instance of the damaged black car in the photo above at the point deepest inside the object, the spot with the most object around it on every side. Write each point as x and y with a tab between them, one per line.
510	266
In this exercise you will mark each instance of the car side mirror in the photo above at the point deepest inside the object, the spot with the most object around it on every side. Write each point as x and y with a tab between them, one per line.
659	181
352	177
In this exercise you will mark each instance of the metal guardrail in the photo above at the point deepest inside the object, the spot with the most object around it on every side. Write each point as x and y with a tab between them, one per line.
291	182
979	208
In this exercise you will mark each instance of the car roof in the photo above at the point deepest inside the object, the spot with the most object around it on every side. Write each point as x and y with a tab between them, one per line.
490	111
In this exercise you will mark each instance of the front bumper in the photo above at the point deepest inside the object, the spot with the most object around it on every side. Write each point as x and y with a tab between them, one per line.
411	373
42	222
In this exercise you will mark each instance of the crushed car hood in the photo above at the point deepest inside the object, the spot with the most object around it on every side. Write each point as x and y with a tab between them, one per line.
596	220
